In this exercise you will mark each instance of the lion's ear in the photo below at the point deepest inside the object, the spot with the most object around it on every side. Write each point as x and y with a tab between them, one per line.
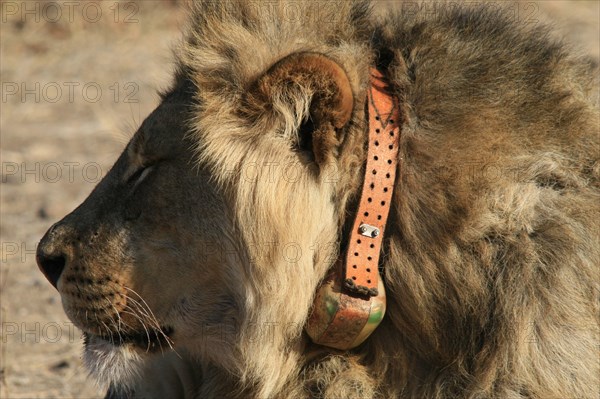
314	97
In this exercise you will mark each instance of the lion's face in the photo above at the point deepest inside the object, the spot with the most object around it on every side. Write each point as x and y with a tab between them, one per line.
148	245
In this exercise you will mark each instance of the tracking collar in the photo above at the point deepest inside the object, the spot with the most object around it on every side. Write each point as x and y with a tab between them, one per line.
350	302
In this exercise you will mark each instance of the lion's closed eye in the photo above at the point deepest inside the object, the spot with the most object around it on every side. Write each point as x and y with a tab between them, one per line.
139	174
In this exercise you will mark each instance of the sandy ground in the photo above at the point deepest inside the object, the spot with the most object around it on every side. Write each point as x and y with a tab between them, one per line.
77	79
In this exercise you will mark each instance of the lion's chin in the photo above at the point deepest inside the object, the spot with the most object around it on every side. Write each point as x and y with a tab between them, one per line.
119	360
109	364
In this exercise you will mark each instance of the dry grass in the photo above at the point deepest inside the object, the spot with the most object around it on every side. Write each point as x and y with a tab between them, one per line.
53	146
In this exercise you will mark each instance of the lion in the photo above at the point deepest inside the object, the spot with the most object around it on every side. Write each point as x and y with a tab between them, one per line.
192	267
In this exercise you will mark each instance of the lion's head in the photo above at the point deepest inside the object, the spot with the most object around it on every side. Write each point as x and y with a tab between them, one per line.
214	227
201	250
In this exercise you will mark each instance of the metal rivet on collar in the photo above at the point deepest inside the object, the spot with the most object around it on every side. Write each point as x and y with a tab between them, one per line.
368	231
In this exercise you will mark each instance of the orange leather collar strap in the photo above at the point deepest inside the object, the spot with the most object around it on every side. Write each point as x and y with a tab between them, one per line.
366	237
350	303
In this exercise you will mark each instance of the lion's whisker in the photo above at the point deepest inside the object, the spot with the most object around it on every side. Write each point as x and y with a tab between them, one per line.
134	314
156	326
138	311
151	315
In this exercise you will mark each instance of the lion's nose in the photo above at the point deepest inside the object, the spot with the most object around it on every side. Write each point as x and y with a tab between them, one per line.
51	266
50	255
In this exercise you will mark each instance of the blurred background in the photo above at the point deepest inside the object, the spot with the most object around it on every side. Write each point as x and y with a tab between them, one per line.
77	78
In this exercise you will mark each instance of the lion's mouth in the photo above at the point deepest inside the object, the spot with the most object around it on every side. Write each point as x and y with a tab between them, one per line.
149	340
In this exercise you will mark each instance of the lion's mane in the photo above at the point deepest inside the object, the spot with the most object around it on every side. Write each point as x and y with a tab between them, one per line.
492	244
